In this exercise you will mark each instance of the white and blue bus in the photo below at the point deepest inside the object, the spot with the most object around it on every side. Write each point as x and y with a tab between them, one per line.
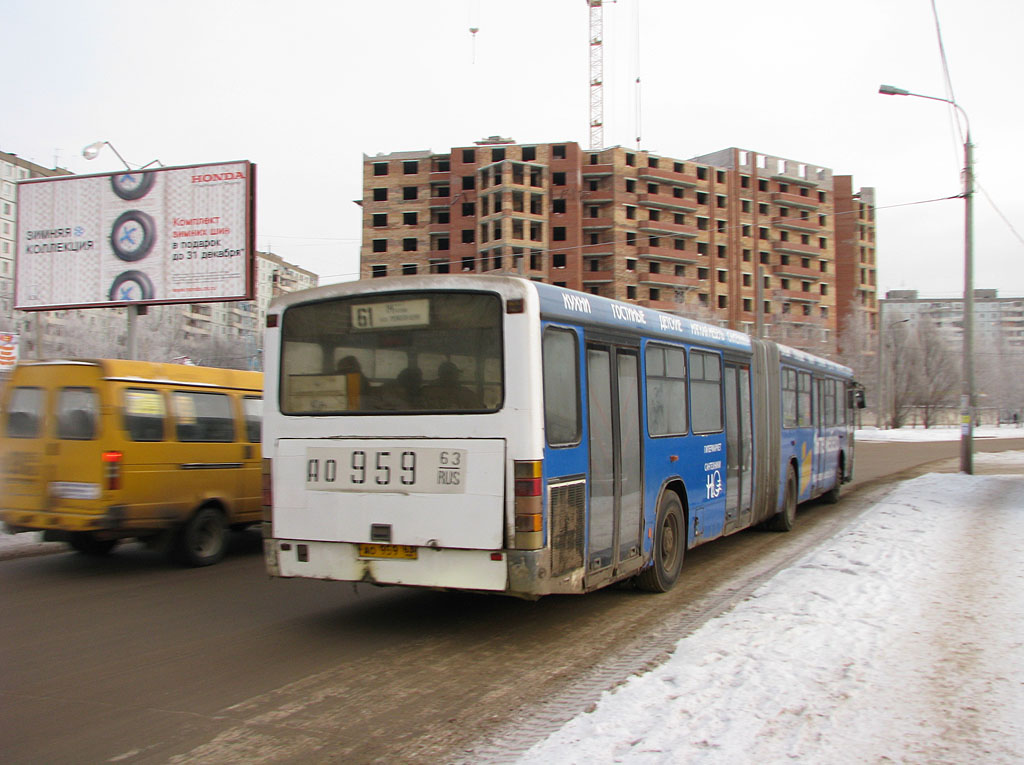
496	434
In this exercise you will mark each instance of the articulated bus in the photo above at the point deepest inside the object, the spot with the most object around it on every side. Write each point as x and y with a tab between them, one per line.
491	433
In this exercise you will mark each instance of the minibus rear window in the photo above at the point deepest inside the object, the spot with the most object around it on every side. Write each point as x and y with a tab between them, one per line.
24	415
77	414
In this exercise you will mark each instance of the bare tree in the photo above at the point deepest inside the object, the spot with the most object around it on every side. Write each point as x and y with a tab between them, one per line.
936	376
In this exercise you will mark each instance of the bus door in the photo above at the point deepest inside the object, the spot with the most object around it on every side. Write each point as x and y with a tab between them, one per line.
739	431
613	402
824	468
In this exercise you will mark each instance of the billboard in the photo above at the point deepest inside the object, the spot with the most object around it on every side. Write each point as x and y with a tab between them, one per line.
168	235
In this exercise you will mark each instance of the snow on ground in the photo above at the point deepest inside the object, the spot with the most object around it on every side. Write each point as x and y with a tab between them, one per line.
901	640
936	434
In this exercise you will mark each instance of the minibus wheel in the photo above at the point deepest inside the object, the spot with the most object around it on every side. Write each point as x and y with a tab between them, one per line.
203	539
669	546
87	543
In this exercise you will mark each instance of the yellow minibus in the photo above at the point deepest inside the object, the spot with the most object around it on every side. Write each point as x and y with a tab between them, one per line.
96	451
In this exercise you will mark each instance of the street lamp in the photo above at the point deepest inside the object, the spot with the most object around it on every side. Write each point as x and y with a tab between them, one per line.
93	150
967	389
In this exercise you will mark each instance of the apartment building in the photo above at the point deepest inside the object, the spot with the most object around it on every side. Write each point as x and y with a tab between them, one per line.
692	236
13	169
998	322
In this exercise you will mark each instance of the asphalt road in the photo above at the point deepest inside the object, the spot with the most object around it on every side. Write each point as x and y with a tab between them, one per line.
128	659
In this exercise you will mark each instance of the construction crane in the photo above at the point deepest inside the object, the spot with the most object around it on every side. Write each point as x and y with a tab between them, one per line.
596	74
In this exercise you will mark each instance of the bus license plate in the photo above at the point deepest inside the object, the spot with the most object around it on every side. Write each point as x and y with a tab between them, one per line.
387	552
393	469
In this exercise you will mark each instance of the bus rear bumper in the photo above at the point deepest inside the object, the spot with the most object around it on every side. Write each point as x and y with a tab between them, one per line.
485	570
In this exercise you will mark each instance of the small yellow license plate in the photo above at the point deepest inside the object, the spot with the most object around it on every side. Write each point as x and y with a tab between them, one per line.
405	552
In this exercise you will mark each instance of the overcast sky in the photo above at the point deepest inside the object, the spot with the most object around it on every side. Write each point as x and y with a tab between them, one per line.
304	89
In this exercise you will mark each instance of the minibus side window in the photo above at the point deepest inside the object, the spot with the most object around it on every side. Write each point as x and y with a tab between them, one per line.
203	417
144	414
24	414
252	406
77	414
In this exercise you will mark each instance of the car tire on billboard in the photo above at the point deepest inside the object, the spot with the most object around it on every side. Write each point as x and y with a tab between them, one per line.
131	286
132	186
132	235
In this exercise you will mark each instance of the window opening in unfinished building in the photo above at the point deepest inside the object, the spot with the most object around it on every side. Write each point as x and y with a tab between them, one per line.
558	151
558	260
529	153
631	160
378	271
380	245
497	155
409	244
380	220
558	205
380	195
469	156
380	168
410	167
468	263
410	219
408	269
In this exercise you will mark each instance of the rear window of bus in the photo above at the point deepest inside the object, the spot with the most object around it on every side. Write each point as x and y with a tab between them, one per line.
411	353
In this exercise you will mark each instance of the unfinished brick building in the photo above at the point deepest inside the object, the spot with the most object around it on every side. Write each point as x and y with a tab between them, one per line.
688	236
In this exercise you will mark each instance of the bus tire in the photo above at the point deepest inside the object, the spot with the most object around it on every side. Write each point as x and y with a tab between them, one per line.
832	495
203	539
669	547
785	519
87	543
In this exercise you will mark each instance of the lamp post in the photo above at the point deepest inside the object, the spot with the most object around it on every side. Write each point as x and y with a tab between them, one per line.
967	383
93	150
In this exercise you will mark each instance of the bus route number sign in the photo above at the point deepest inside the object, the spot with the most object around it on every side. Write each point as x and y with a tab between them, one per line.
386	469
397	313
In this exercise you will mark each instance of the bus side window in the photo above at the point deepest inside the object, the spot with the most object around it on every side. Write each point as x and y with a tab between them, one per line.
203	417
803	406
24	413
252	407
561	387
705	392
77	410
789	418
144	414
666	391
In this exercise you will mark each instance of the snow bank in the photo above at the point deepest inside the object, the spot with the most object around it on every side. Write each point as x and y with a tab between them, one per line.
901	640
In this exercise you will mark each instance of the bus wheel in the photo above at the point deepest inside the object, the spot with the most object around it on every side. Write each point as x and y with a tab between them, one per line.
203	540
832	495
88	543
669	547
786	517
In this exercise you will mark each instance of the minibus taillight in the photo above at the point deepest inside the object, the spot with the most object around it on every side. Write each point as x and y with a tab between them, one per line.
528	505
268	490
112	469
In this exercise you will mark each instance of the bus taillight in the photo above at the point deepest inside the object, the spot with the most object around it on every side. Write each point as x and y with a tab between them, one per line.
528	505
268	490
112	469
